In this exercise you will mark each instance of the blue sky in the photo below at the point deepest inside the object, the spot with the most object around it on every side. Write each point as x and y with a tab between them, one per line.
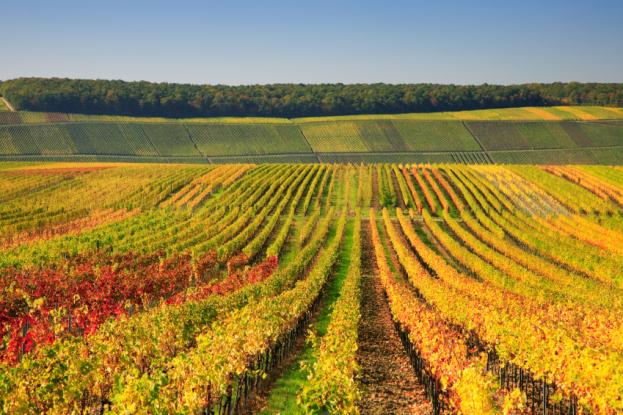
246	42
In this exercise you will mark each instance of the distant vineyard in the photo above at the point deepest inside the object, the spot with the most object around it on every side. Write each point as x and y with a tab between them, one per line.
188	288
560	113
485	136
134	139
477	157
545	135
388	136
247	139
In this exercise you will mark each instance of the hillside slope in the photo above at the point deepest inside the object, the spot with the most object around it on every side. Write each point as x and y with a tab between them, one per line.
591	135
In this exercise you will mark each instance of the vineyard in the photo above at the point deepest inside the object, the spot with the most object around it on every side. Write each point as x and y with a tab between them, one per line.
545	135
310	288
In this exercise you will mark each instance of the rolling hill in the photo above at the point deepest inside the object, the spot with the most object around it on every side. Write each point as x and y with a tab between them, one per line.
552	135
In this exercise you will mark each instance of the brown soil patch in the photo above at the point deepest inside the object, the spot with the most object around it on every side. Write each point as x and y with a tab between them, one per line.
387	379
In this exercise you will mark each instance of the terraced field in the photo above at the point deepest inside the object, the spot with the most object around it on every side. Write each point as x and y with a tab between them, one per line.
556	135
310	288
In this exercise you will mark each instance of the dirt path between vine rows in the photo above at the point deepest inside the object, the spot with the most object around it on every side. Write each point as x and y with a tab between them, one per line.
375	201
387	379
402	204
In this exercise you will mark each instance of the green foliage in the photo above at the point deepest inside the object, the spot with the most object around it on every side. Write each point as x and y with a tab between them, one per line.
331	386
289	100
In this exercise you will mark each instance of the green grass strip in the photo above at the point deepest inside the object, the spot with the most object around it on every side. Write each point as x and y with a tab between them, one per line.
282	398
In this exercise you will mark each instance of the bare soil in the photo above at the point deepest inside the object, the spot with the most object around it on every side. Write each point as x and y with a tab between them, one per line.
387	379
401	202
375	190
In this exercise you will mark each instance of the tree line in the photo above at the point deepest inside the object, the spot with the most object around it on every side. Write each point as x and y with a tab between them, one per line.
116	97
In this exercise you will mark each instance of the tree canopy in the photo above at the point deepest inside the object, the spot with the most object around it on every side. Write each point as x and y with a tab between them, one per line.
115	97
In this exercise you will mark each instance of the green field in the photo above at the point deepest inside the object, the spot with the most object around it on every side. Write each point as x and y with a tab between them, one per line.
559	113
388	135
501	135
502	114
247	139
553	135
